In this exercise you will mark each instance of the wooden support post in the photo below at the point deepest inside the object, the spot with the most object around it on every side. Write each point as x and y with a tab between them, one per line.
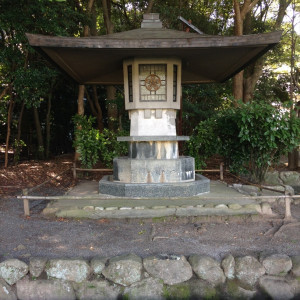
74	171
26	203
288	214
221	171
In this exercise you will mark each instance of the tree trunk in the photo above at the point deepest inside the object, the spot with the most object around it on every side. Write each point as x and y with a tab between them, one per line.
106	5
20	122
238	87
293	157
238	30
48	125
98	109
80	102
283	5
18	145
39	135
253	72
95	107
112	108
9	118
80	111
240	13
149	7
86	32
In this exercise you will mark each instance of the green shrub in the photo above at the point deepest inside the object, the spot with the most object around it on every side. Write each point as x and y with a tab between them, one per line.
250	137
265	133
86	140
110	147
18	146
93	145
204	142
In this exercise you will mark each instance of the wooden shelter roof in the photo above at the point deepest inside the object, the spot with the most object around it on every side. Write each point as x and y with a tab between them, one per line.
205	58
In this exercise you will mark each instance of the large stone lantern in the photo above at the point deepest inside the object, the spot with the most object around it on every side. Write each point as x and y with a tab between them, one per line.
152	62
152	97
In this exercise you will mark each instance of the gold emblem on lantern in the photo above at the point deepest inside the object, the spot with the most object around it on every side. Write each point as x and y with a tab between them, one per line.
152	82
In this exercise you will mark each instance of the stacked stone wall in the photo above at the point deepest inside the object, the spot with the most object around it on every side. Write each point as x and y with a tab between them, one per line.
162	276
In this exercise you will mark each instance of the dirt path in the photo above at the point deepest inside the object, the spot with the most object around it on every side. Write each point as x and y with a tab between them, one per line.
40	236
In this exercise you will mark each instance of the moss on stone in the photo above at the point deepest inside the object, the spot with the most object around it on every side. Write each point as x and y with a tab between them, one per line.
177	292
211	294
232	288
125	297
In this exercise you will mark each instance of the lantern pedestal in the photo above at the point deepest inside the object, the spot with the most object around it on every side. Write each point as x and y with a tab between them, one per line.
154	168
200	185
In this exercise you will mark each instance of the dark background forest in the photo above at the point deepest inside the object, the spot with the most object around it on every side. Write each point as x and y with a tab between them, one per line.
38	102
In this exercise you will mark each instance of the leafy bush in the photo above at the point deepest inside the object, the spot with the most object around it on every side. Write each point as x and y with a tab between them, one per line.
265	133
86	140
93	145
18	146
204	142
250	137
110	147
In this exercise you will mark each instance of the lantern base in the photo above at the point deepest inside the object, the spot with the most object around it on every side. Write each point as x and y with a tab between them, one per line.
201	185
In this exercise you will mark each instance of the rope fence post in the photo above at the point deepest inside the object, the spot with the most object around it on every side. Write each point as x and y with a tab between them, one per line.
221	171
26	203
287	200
74	171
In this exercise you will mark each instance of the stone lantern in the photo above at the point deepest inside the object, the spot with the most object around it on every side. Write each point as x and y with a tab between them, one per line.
152	97
152	88
153	62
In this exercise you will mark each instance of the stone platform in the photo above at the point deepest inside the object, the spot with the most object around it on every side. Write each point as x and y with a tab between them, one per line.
84	201
144	190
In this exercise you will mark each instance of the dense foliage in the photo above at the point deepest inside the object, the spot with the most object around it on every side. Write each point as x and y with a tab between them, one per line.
250	138
86	140
91	144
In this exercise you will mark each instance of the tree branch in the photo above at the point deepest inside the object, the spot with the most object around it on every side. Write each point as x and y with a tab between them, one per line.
247	7
283	4
4	92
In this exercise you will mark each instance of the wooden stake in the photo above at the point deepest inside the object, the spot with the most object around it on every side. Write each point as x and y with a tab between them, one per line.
288	214
74	171
26	203
221	171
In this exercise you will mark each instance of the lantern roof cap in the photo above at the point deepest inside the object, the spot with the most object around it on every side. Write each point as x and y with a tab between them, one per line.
205	58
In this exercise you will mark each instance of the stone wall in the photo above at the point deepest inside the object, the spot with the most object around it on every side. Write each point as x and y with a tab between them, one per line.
157	277
290	178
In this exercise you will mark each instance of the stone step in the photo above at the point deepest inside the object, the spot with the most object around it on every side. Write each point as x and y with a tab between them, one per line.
221	201
154	211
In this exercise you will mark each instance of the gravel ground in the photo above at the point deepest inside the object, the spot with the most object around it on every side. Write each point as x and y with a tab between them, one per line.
38	236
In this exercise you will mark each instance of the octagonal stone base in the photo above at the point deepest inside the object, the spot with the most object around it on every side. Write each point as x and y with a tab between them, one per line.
201	185
130	170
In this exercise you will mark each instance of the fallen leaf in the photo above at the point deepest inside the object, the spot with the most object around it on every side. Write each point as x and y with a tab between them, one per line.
102	221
